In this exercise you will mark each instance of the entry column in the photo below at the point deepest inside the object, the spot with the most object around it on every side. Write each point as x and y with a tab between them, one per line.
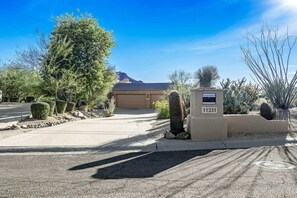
206	120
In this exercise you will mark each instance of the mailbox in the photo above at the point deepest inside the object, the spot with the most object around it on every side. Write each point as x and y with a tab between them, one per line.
209	98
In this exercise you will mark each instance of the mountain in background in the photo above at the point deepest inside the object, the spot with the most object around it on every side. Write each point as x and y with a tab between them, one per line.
123	75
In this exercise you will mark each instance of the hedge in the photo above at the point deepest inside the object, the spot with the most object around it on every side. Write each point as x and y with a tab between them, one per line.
61	106
52	105
70	106
40	110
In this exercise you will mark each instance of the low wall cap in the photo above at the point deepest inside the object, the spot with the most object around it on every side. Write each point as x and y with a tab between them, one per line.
207	89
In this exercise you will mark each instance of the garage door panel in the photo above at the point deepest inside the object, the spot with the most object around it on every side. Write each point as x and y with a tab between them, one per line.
131	101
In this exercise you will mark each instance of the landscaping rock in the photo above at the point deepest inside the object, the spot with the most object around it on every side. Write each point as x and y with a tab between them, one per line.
183	136
24	126
78	114
15	127
169	135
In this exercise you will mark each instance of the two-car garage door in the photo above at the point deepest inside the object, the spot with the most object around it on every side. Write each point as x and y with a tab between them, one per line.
137	101
131	101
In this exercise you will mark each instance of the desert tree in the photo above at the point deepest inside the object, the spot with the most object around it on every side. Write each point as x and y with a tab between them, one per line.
181	82
91	46
268	57
52	71
31	58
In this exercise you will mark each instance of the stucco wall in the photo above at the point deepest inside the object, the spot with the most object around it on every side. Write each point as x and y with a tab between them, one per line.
254	124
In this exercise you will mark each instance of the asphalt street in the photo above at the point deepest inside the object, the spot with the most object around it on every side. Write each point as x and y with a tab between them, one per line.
10	111
255	172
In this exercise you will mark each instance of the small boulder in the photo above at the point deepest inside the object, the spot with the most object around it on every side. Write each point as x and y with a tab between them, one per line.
169	135
183	136
24	126
15	127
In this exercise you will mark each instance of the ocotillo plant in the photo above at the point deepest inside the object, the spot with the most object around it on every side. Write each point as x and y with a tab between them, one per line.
176	113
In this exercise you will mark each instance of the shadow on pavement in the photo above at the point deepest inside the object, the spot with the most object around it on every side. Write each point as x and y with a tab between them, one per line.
224	168
139	165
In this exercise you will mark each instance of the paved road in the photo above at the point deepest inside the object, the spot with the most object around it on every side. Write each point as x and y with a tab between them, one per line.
10	111
218	173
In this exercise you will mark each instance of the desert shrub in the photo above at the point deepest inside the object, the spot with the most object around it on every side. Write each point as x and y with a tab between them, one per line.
70	106
40	110
110	109
235	101
61	106
52	105
162	108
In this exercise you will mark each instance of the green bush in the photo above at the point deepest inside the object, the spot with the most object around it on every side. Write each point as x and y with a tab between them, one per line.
70	106
162	108
40	110
108	112
52	105
61	106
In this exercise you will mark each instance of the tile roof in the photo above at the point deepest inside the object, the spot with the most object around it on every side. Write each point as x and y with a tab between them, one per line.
141	86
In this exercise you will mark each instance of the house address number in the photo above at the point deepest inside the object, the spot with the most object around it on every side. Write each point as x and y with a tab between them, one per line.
209	109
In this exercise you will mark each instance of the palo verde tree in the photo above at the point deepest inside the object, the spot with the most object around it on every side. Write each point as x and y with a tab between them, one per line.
206	76
90	49
268	57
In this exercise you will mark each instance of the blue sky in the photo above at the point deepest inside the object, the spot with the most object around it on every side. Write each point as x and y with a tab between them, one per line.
155	37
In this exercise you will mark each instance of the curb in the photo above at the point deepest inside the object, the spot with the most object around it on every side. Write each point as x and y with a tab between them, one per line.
158	146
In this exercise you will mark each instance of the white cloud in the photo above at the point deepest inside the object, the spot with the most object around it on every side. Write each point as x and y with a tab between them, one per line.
281	13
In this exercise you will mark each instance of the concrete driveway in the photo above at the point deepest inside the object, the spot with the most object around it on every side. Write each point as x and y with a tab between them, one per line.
128	128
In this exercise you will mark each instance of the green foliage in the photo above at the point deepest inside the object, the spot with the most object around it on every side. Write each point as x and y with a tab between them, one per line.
17	82
176	113
206	76
53	76
52	105
40	110
235	101
110	109
61	106
70	106
90	46
162	108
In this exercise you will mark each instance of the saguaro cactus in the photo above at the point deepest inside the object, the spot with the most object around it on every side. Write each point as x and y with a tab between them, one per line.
176	113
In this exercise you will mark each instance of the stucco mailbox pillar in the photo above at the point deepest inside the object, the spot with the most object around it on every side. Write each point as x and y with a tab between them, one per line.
206	120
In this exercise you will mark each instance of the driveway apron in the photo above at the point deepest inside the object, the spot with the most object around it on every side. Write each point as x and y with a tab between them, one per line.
126	128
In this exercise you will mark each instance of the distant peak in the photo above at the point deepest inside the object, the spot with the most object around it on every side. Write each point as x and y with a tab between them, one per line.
123	77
